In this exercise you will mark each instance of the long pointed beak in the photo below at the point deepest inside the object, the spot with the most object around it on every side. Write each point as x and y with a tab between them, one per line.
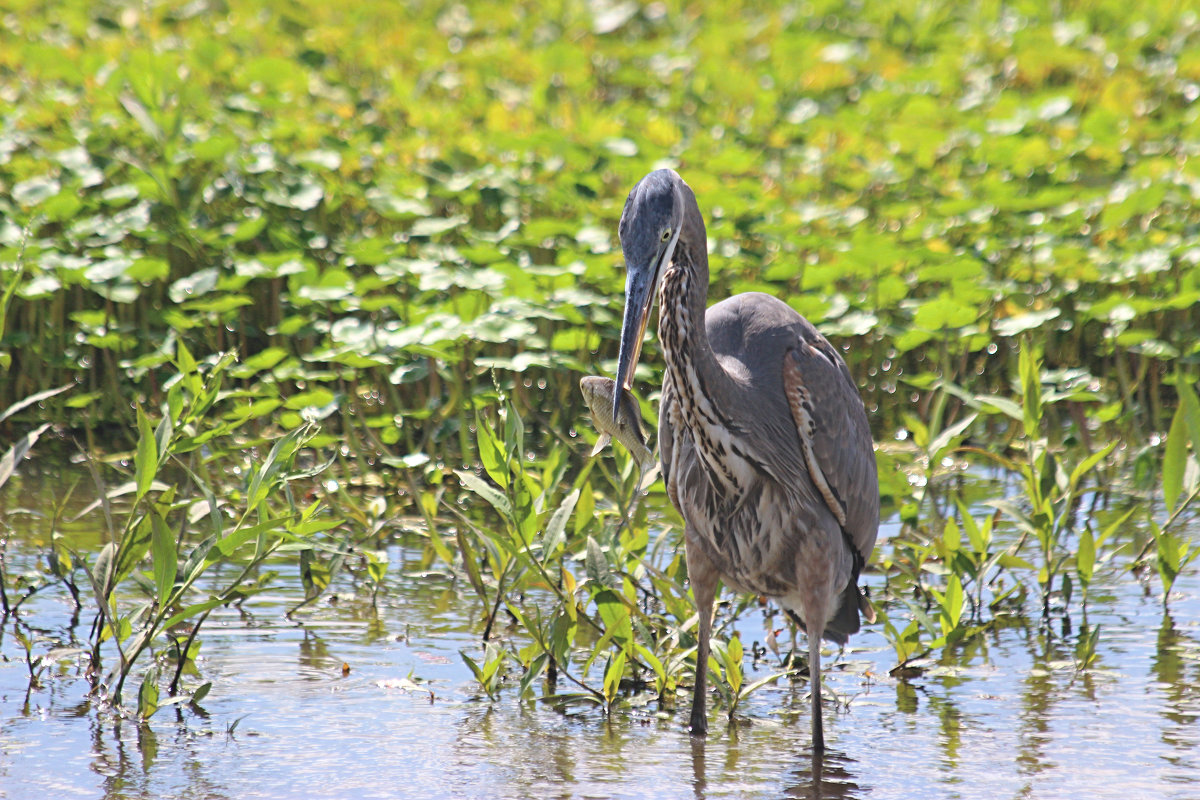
639	296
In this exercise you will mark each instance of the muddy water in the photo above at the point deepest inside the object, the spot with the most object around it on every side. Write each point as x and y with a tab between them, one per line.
1006	717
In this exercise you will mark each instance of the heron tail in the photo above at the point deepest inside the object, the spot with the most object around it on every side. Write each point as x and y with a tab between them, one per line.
846	620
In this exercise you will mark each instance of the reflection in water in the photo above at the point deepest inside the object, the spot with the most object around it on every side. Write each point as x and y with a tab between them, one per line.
906	697
1174	653
698	768
827	778
1176	666
313	658
951	719
536	756
1037	702
814	777
124	776
148	746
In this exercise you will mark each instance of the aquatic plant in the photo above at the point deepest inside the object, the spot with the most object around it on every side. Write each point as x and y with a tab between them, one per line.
174	523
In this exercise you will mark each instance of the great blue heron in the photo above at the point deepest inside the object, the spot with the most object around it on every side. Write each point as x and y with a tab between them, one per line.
763	437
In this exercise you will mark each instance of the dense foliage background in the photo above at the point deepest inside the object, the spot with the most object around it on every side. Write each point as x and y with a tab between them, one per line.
376	205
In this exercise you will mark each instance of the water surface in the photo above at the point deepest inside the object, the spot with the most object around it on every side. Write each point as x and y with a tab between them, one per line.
1006	716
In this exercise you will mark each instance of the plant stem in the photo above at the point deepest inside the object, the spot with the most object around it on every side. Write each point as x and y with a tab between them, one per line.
174	687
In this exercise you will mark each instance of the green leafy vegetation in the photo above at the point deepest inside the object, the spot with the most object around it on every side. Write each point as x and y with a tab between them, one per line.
165	540
242	243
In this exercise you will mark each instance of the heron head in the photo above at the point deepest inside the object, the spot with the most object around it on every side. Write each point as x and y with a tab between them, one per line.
650	228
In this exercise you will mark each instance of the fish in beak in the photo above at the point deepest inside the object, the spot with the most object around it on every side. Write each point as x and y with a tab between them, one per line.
623	423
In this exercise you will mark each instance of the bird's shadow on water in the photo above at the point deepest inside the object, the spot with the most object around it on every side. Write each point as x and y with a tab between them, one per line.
813	778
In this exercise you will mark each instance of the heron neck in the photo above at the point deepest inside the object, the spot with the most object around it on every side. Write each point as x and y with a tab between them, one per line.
705	398
682	306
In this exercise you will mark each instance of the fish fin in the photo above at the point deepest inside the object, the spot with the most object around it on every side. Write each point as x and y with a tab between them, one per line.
601	443
864	605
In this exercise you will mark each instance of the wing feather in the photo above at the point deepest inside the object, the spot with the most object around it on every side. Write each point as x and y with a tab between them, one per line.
835	436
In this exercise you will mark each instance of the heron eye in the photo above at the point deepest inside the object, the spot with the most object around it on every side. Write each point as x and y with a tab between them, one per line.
666	235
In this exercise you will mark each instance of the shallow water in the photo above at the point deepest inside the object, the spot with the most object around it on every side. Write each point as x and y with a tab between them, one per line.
1006	716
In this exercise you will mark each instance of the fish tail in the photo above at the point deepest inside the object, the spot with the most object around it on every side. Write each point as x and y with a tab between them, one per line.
601	443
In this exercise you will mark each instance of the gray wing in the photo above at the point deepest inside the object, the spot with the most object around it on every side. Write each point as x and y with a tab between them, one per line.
835	435
776	359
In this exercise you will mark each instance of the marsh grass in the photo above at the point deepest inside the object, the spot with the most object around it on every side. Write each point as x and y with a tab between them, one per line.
200	500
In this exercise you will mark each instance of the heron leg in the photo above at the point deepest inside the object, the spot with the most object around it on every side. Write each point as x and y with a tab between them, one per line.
814	677
703	575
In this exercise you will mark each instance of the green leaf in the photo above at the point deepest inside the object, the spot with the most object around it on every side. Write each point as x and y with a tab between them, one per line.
230	543
733	665
734	649
1115	526
145	460
1175	458
138	111
1089	463
491	451
165	557
475	670
494	496
557	526
134	546
979	537
989	404
1029	366
35	190
615	615
14	454
1085	558
148	695
377	564
562	634
943	313
761	682
1012	326
655	663
613	674
494	657
585	511
536	667
952	604
192	611
1191	407
265	477
432	226
525	513
514	432
102	573
951	538
595	564
1012	561
163	435
948	435
31	400
1166	556
201	692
